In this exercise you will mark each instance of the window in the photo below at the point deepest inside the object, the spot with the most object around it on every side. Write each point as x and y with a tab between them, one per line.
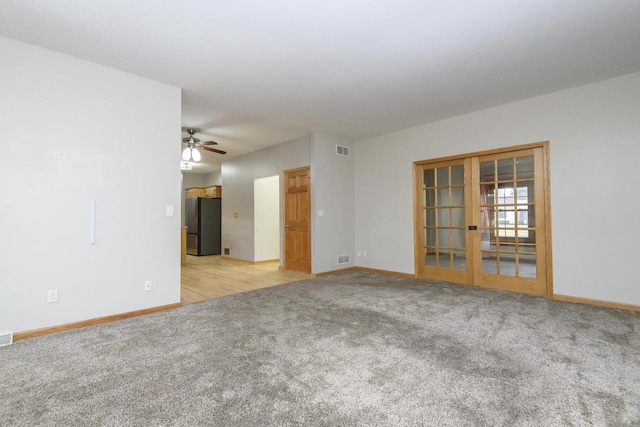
513	211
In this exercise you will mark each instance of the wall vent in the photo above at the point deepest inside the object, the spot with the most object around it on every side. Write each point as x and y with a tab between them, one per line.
226	251
344	259
342	151
6	338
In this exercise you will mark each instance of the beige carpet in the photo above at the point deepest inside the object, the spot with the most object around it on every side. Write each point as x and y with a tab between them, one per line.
346	350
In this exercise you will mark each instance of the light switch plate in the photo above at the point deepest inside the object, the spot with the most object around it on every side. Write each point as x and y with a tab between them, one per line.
169	210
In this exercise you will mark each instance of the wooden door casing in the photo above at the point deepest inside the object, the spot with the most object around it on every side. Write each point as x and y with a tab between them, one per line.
297	219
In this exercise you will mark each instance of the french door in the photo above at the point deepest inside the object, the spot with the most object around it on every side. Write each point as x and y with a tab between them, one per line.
482	219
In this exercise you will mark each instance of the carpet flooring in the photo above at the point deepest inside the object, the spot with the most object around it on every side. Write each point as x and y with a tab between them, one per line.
353	349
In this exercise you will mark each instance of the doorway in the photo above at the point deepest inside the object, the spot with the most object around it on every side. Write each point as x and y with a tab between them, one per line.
297	219
266	215
484	219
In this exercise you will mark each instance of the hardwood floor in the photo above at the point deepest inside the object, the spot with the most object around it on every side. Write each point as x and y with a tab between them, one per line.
209	277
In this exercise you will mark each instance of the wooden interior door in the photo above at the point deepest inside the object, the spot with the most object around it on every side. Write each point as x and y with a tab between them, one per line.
442	215
483	219
297	219
510	215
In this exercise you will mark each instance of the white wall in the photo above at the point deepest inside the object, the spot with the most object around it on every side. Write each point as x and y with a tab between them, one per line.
213	178
332	193
193	180
72	131
266	214
594	134
238	175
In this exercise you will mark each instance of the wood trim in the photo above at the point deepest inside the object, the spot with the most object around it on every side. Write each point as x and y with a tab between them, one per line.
246	261
370	270
297	170
484	153
91	322
596	302
236	259
546	175
474	239
418	248
283	220
329	273
542	260
388	272
446	275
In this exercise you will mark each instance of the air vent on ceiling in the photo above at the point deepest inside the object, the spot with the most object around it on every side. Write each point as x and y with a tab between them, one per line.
6	338
344	259
342	151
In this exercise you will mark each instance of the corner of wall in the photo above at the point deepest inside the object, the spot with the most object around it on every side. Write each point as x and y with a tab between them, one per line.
332	206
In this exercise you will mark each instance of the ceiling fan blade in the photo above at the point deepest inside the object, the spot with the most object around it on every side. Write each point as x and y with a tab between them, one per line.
214	150
209	143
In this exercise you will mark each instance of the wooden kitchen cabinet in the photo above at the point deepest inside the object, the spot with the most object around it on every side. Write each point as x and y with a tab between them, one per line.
194	192
213	192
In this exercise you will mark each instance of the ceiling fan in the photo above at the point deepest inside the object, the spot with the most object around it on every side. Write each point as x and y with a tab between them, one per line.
192	144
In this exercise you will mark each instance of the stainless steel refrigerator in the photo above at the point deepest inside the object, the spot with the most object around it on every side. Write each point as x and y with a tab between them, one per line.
204	219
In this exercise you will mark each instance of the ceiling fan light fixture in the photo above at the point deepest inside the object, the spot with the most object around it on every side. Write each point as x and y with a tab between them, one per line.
195	154
186	154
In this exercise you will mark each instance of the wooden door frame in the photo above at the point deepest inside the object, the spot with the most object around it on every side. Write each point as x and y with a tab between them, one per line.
417	203
283	218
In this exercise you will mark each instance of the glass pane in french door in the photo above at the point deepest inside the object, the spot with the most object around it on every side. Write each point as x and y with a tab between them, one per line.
443	203
507	216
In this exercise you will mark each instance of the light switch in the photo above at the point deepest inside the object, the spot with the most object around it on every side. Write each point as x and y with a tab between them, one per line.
169	210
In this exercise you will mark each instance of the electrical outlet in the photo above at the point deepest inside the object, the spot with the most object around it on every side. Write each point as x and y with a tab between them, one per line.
147	285
364	253
52	296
